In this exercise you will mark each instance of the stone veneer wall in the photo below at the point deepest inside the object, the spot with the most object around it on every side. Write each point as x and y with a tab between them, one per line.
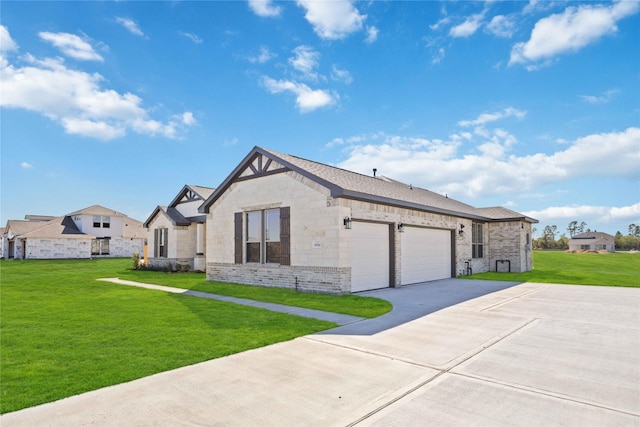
54	248
332	280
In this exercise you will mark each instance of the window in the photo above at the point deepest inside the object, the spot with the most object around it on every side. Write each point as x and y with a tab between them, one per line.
96	222
263	236
100	247
106	222
477	241
160	247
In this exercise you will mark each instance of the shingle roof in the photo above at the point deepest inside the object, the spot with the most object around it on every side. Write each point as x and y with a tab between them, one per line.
18	227
353	185
62	226
172	213
593	235
97	210
204	192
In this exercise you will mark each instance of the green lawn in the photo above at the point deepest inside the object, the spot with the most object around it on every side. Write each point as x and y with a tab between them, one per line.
604	269
344	304
63	333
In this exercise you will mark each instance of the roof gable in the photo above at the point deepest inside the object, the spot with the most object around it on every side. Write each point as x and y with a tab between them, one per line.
191	193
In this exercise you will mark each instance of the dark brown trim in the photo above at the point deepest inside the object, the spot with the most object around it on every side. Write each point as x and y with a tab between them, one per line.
392	256
285	236
260	174
237	222
453	253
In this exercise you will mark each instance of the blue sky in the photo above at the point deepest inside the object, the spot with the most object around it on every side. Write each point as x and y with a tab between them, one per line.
534	106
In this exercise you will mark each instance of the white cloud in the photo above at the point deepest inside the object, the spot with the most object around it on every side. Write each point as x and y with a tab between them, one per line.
332	20
602	99
6	42
490	168
26	165
468	27
187	118
130	25
264	56
485	118
341	75
71	45
264	8
307	99
570	31
593	216
438	56
92	129
372	35
305	61
191	36
501	26
76	100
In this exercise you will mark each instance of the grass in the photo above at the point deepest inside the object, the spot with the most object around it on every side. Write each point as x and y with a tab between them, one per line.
603	269
63	333
345	304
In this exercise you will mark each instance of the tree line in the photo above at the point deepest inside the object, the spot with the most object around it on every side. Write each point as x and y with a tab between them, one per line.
548	239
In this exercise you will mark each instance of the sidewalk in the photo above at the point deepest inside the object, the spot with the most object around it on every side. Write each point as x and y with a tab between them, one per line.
340	319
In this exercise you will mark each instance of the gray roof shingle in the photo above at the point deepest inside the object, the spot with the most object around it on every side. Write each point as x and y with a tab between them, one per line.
353	185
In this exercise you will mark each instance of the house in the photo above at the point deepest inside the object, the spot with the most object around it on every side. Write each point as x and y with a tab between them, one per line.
176	233
95	231
280	220
592	241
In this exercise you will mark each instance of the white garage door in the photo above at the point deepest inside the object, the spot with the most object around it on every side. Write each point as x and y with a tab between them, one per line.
425	255
369	256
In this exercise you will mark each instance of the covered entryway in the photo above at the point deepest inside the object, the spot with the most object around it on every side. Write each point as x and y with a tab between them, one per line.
425	255
370	263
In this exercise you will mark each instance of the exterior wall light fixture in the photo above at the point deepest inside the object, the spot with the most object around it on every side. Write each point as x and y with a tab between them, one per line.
461	231
400	227
347	222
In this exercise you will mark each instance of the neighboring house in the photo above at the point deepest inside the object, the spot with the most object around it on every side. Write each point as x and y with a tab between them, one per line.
280	220
91	232
592	241
176	233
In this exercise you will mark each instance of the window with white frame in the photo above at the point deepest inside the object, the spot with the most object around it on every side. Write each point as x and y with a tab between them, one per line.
477	241
263	236
106	222
97	221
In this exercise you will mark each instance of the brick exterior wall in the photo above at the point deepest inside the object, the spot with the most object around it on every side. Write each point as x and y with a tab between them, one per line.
509	246
331	280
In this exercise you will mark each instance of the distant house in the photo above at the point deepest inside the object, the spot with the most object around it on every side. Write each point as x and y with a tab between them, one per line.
176	233
592	241
281	220
95	231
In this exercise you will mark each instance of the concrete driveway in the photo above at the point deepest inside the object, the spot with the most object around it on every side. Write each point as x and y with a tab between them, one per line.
493	355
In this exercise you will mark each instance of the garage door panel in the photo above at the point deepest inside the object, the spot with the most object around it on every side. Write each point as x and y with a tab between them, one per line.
425	255
369	256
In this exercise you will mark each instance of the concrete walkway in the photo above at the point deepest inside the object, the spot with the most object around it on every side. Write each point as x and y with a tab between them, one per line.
340	319
528	354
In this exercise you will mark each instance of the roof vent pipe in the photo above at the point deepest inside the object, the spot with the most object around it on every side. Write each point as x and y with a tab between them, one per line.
374	172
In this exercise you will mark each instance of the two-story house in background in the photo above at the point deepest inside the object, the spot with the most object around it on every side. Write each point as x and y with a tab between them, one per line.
95	231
